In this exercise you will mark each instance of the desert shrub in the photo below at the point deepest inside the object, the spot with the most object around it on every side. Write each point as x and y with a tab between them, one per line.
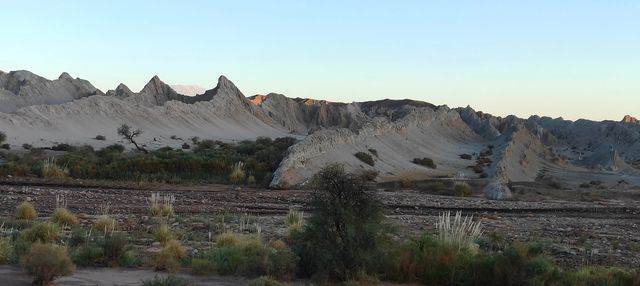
27	146
345	233
100	137
374	152
186	146
6	250
63	147
227	239
466	156
168	259
169	280
88	254
163	234
26	211
238	174
265	281
406	181
461	189
46	262
44	232
105	224
251	180
3	137
115	248
365	158
425	260
458	233
248	256
201	266
518	264
62	217
427	162
294	222
369	175
5	146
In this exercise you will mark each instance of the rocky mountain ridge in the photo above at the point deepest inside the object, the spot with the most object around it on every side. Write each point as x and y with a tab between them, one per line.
497	150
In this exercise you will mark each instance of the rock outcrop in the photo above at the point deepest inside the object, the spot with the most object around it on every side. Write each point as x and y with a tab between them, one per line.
630	119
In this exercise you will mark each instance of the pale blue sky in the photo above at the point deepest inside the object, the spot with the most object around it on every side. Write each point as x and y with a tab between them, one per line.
575	59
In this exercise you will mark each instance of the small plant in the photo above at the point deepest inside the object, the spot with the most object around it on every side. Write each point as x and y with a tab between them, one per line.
167	281
62	217
238	174
427	162
365	158
374	152
5	146
186	146
26	211
27	146
458	233
105	224
46	262
101	138
461	189
163	234
294	221
3	137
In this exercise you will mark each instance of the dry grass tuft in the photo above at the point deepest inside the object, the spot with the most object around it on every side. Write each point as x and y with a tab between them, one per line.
26	211
459	233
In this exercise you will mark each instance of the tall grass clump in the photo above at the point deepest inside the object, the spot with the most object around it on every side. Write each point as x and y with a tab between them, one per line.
163	234
238	174
105	223
52	170
46	262
64	217
161	205
459	233
168	259
294	221
26	211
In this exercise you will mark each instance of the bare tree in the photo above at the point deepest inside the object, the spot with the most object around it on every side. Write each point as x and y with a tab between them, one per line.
128	134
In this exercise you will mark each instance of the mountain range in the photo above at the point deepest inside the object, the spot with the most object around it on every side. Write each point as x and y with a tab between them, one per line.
463	143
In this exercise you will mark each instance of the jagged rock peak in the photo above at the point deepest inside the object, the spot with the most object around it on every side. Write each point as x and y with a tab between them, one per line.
65	76
123	87
630	119
156	86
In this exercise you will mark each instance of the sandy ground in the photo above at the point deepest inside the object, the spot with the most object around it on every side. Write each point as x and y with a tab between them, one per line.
14	276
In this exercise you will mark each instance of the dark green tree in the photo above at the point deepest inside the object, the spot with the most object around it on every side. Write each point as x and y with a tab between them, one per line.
345	233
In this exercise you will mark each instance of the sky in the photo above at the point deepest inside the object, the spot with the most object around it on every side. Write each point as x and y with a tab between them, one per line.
570	59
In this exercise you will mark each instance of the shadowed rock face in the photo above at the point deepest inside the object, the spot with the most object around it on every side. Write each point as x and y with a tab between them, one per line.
22	88
68	110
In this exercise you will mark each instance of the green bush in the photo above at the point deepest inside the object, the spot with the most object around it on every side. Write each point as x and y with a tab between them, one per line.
46	262
247	257
26	211
365	158
265	281
169	280
345	233
6	250
44	232
427	162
